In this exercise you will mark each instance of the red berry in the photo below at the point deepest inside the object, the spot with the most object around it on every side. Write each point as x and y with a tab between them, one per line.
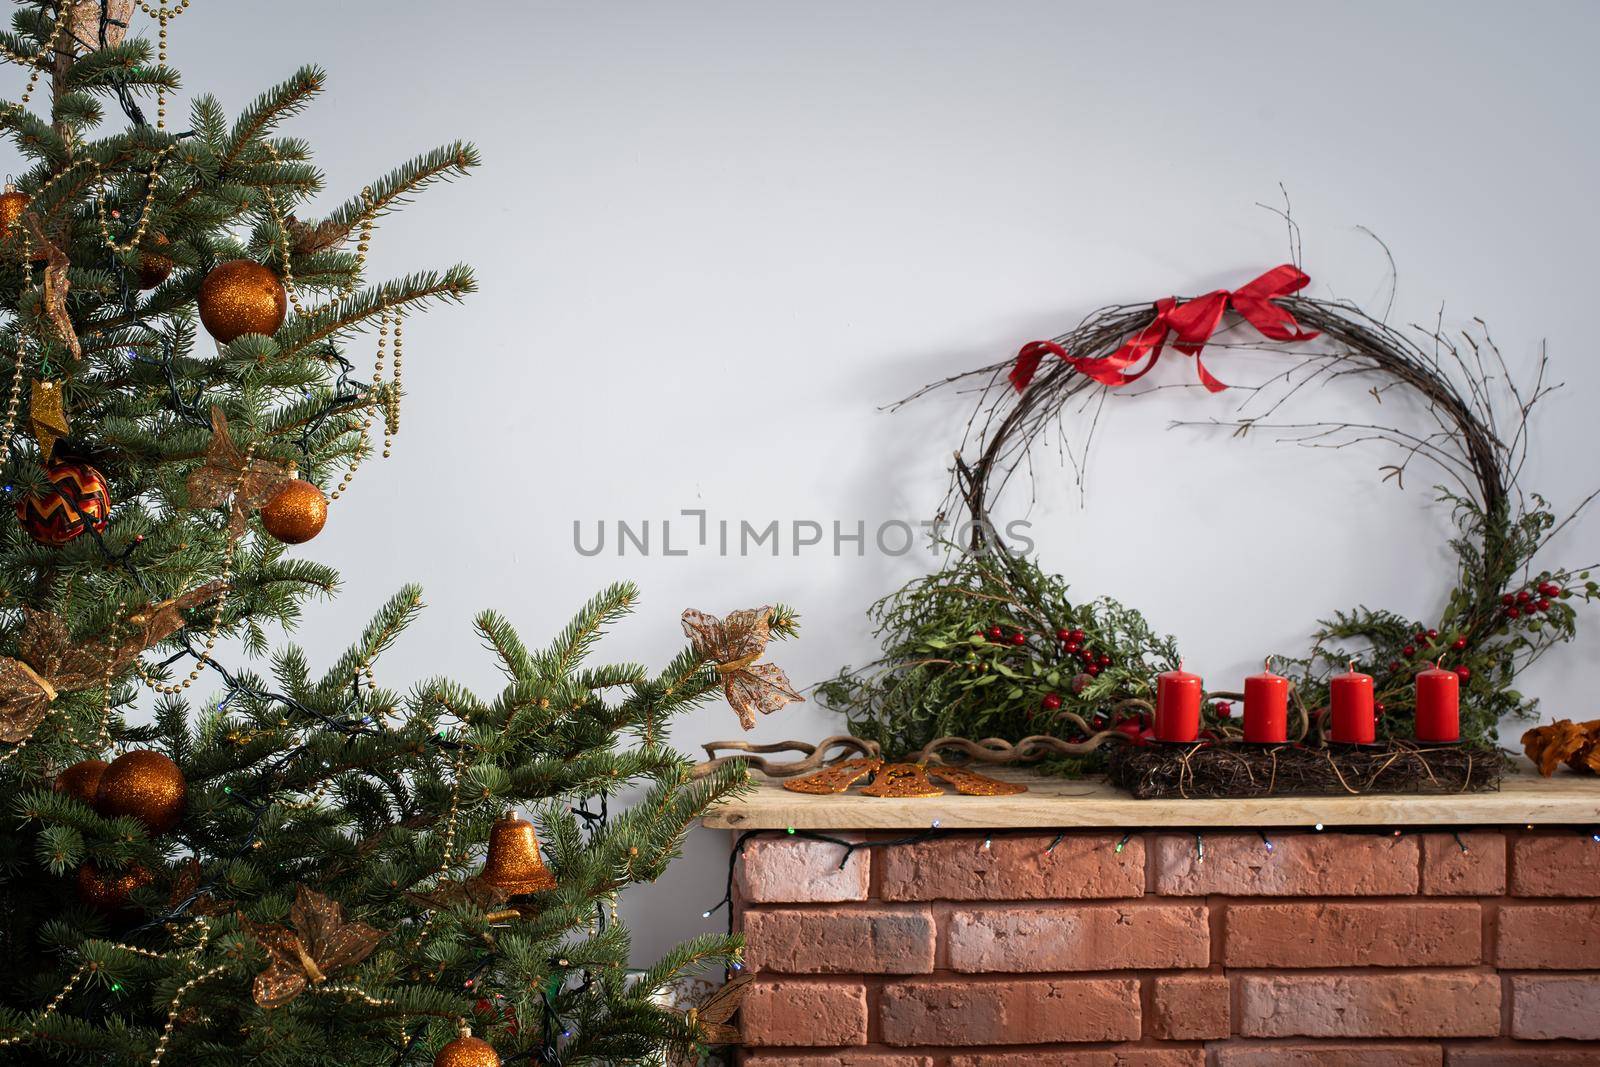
1409	650
1543	604
1459	643
1419	637
1512	613
1051	702
1223	708
1507	599
1464	672
1524	596
1104	659
995	633
1549	589
1019	639
1071	647
1432	634
1063	635
1077	635
1378	707
1394	665
1092	669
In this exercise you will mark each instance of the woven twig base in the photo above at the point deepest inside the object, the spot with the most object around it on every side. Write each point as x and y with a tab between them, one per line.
1236	770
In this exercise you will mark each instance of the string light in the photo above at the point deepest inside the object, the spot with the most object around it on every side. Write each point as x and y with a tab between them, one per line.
1265	840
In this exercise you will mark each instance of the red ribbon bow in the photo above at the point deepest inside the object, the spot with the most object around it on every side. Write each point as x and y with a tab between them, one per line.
1191	324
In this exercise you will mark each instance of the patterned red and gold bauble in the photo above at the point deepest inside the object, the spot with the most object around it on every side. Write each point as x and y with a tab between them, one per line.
154	266
296	512
145	785
81	499
467	1051
82	779
108	891
240	297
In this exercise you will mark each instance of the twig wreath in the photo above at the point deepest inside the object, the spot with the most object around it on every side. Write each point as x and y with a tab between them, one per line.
992	646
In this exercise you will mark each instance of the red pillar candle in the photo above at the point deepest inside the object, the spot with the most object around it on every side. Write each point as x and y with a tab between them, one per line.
1354	722
1266	708
1177	705
1438	705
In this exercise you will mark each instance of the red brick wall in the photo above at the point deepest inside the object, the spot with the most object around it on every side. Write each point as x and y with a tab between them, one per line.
1328	950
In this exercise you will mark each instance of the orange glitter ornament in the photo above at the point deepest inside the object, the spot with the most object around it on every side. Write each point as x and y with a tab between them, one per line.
467	1051
109	891
81	780
145	785
240	297
154	267
295	513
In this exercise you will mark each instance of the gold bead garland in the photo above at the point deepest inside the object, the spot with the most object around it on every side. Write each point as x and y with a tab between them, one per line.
216	615
36	61
55	1002
192	955
154	181
286	249
176	1006
391	421
15	399
163	15
391	406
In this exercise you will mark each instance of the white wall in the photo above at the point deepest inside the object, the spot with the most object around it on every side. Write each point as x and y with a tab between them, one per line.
715	237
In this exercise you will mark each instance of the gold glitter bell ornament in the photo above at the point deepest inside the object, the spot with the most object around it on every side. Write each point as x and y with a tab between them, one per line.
513	863
145	785
240	297
295	513
467	1051
13	202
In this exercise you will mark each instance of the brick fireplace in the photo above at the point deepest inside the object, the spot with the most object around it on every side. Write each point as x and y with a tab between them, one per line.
1166	947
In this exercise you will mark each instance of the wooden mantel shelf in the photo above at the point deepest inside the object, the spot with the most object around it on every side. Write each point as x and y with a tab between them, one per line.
1524	797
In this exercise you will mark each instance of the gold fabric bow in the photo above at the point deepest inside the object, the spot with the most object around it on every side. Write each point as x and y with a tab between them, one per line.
49	663
709	1021
320	943
734	644
227	478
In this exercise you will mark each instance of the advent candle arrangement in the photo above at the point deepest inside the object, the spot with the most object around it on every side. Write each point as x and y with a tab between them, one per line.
1354	721
1178	696
1438	705
1266	708
1353	716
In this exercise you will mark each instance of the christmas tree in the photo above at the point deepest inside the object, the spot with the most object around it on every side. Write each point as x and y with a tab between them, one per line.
302	869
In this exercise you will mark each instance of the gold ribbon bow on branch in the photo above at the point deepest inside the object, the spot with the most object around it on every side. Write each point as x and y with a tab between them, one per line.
49	662
320	943
709	1021
229	477
734	644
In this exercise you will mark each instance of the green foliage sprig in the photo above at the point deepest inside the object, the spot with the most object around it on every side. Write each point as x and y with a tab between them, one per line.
981	649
